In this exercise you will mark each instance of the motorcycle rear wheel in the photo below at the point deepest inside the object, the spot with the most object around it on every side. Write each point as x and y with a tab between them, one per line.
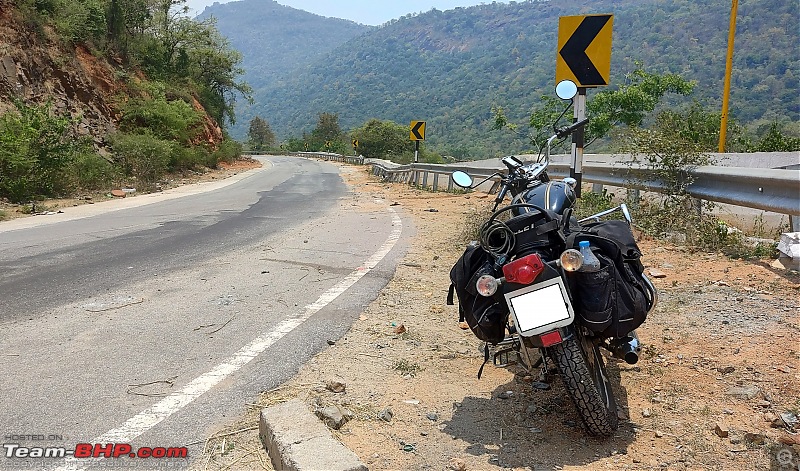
583	372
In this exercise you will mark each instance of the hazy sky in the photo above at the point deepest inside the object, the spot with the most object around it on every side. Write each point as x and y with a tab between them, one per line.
368	12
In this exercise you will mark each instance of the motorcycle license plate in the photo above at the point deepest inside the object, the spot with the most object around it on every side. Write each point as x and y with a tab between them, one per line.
540	308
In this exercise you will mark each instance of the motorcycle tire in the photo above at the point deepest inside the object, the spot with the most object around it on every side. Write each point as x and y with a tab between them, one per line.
583	372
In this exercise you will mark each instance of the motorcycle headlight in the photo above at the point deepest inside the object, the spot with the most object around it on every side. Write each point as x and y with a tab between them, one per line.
486	285
571	260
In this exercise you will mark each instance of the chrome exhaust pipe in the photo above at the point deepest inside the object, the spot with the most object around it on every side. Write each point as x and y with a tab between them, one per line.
627	348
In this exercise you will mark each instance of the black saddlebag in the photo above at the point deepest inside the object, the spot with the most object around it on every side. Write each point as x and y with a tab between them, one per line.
485	316
612	301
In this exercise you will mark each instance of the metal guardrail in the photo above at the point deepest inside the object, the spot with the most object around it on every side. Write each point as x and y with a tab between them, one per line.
776	190
329	156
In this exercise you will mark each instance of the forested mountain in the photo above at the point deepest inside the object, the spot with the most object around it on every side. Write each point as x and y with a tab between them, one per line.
276	40
451	67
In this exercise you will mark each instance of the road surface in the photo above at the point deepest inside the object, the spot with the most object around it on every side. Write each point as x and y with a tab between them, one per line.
151	324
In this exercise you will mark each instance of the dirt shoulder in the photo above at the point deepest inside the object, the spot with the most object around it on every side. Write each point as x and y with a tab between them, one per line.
50	207
720	367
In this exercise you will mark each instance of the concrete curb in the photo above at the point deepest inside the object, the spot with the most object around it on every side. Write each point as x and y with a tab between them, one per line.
297	441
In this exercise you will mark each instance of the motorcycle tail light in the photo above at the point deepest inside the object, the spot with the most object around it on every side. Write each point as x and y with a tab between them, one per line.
524	270
571	260
486	285
551	338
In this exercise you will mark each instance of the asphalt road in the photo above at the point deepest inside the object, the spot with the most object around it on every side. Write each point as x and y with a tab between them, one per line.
151	324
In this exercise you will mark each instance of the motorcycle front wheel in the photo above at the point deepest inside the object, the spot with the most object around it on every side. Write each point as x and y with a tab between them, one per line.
584	375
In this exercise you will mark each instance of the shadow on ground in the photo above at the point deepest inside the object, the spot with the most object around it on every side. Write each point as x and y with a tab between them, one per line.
521	426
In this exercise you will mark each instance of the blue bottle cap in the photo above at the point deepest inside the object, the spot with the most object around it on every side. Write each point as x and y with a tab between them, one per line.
583	243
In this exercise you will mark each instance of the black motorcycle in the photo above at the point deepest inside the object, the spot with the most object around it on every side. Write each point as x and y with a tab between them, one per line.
527	287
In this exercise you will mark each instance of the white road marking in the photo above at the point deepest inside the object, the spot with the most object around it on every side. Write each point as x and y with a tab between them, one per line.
149	418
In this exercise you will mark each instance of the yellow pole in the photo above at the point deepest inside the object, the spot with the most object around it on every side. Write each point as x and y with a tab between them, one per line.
723	128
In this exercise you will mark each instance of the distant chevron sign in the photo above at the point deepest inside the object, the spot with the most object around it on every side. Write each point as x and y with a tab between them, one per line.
584	49
417	130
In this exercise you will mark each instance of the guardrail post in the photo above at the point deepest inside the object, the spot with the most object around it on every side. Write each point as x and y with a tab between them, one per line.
425	179
794	223
435	182
634	197
697	204
449	185
597	188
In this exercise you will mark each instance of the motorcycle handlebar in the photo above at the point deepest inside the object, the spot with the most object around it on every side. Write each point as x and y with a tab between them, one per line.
570	129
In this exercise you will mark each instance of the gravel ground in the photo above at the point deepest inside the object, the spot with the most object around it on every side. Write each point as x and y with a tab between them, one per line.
719	370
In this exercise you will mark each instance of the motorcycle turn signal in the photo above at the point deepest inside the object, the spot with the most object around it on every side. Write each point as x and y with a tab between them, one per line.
487	285
571	260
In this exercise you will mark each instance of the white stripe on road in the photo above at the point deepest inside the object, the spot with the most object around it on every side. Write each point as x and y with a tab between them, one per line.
149	418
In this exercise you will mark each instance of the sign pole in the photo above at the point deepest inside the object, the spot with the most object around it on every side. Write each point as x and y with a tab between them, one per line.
417	134
576	167
723	128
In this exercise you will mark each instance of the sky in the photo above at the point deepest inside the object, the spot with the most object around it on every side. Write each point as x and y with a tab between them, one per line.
368	12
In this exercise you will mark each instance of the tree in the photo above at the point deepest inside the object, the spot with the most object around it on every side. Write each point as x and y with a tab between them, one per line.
776	141
628	105
384	140
327	135
701	127
260	134
632	101
215	66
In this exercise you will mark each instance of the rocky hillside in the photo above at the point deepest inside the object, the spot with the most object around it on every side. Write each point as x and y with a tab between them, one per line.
36	67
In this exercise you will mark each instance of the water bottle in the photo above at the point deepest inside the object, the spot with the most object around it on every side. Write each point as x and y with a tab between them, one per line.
590	261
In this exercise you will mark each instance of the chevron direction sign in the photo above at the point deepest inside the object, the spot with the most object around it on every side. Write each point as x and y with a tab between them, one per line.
417	130
584	49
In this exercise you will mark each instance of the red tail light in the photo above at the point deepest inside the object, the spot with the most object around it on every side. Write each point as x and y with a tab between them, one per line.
551	338
523	270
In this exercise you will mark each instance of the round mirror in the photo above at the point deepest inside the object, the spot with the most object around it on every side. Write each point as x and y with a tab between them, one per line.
461	179
566	89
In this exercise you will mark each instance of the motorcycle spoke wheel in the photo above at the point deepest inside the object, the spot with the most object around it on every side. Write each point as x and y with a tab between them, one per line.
584	375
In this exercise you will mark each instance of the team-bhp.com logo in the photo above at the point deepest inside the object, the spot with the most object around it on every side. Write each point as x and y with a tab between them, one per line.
93	450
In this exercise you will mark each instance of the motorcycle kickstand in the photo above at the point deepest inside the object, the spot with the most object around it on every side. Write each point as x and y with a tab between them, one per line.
544	373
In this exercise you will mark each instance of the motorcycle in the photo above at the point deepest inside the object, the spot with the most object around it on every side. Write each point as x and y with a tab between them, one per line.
552	313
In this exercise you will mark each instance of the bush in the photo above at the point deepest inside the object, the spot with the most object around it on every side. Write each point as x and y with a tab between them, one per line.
142	156
167	120
92	172
592	203
228	151
188	158
83	21
36	150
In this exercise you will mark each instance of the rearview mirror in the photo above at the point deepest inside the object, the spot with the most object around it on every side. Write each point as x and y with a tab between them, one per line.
461	179
566	89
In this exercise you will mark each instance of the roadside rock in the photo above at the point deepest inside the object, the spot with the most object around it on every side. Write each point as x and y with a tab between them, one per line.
744	392
336	387
334	416
457	464
386	415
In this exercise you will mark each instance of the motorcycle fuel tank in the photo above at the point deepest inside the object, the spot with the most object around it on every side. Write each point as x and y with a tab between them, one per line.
556	196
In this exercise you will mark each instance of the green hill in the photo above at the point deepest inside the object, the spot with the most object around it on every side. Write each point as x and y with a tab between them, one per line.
451	67
276	40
